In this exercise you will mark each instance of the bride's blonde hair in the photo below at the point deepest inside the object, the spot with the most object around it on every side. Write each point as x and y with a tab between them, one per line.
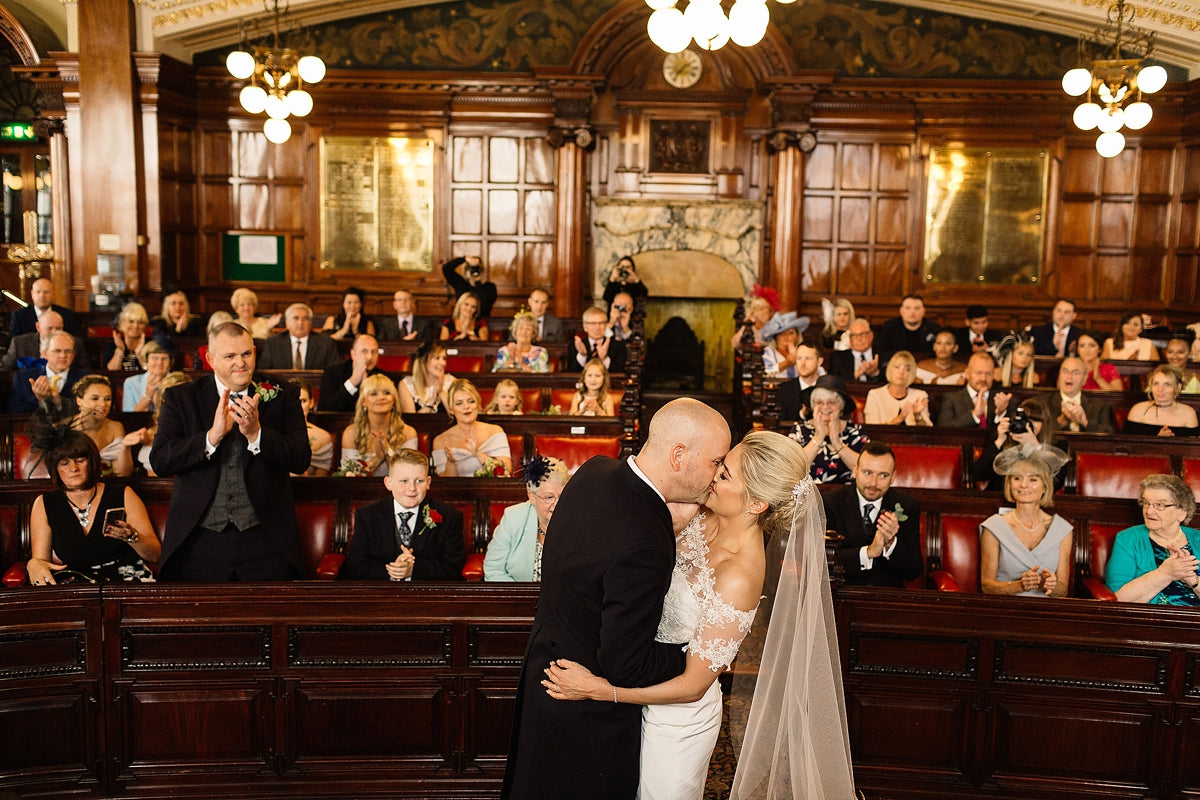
772	465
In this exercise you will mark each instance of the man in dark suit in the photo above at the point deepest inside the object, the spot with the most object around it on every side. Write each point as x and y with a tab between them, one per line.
404	324
976	337
809	358
880	525
596	342
859	363
1056	338
408	536
975	405
300	347
26	349
606	567
549	327
1077	410
232	446
48	385
24	320
339	383
910	331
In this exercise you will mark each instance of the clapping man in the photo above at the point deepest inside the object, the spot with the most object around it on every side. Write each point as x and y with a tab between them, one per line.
1073	408
597	342
403	325
859	363
26	348
975	405
48	385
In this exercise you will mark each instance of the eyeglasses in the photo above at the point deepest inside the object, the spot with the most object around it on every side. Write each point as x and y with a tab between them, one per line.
854	335
1072	372
1157	506
546	499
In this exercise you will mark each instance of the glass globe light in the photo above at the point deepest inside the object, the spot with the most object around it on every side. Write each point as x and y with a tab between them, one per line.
1110	120
1076	81
311	68
253	99
299	102
784	2
1110	144
657	4
277	131
1138	115
748	22
277	107
240	64
667	29
1086	116
1151	79
705	20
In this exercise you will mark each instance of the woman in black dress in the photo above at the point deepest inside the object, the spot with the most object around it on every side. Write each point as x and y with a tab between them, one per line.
1163	414
70	522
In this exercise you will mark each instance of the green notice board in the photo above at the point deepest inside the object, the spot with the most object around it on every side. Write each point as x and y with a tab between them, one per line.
259	257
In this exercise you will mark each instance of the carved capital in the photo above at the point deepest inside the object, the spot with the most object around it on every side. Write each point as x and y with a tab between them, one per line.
782	140
582	137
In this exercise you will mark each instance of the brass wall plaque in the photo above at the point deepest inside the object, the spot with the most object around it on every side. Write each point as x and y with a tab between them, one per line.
376	203
985	215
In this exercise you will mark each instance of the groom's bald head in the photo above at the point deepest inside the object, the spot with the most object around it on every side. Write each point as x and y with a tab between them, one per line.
684	448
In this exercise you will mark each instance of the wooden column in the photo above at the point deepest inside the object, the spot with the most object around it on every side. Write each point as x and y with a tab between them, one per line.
784	270
571	226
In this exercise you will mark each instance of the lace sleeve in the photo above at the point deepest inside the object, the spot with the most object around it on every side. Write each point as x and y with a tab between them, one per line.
720	632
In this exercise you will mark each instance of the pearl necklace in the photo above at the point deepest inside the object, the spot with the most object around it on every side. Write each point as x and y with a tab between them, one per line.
84	514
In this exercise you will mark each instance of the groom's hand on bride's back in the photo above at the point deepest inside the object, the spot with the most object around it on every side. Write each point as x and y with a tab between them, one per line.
681	514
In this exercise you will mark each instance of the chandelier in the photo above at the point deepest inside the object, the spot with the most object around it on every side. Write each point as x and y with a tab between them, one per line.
1117	77
705	22
277	76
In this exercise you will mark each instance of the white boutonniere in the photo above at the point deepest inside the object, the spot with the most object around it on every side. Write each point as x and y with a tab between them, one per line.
266	391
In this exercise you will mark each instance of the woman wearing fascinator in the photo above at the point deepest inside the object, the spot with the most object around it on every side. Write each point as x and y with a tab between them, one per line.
796	742
424	392
1014	354
99	532
1025	550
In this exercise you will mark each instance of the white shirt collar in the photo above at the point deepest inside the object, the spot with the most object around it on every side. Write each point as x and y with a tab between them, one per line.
1075	398
636	471
973	393
862	504
399	509
222	387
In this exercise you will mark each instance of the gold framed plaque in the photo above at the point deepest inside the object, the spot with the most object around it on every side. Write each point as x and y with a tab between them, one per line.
985	215
377	203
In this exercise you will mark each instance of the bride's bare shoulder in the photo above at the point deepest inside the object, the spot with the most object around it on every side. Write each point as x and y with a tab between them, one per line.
739	580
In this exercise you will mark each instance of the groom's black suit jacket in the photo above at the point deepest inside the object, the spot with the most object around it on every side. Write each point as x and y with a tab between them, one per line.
187	414
606	567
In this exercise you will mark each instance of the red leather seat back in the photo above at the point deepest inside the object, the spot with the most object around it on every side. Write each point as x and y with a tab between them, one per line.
859	414
496	509
1191	475
10	537
516	447
423	442
574	450
1106	475
395	363
919	581
1101	536
928	467
158	517
21	455
960	549
467	507
563	398
316	524
465	364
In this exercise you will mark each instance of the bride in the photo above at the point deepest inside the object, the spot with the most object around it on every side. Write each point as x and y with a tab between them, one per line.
789	748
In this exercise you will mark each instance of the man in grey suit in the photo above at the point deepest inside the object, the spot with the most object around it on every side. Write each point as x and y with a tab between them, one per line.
549	327
1074	409
975	405
300	347
28	346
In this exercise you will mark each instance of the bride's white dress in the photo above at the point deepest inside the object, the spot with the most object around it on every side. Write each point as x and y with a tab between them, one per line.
678	739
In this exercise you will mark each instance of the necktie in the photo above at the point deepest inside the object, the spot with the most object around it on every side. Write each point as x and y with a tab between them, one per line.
868	519
540	327
403	328
404	533
55	382
983	417
298	359
1060	339
859	359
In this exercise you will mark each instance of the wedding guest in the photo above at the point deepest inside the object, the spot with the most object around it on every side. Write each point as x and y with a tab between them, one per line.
128	339
26	349
244	303
521	354
143	392
469	446
809	358
624	278
424	392
838	315
943	368
340	383
408	536
897	403
596	342
1155	562
351	321
831	441
976	336
175	320
758	314
217	319
620	316
1016	361
592	399
47	385
910	331
515	552
470	280
860	362
41	296
549	327
378	428
1178	352
300	347
319	439
404	324
465	322
1101	376
72	522
93	397
1034	430
1024	550
782	334
506	399
143	438
1057	337
1163	414
975	405
1126	343
1074	410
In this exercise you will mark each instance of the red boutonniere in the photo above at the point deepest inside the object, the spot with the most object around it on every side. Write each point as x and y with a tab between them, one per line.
266	391
432	517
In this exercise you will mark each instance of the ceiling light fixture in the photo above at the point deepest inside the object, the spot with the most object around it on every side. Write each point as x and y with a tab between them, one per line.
705	22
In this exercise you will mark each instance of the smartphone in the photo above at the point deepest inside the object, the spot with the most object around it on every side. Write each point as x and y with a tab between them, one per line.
113	515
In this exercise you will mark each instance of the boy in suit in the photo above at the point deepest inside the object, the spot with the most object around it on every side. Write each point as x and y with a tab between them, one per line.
408	536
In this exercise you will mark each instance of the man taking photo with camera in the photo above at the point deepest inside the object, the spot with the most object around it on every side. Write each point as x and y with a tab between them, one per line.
470	279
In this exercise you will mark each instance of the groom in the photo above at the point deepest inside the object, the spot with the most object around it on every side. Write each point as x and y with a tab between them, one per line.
606	567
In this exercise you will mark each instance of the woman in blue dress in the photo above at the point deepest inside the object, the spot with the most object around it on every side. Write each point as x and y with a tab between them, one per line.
1156	562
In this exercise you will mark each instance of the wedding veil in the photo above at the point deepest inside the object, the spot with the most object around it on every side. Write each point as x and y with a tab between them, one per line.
796	742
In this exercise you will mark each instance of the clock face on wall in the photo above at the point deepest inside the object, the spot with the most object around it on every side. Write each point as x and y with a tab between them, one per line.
682	69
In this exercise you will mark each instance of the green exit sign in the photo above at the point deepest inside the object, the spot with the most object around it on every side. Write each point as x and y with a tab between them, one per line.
17	132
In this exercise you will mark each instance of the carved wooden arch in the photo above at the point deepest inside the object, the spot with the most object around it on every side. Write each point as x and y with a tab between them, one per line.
621	31
19	38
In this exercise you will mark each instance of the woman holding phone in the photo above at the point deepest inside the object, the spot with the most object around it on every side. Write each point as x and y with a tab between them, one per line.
99	531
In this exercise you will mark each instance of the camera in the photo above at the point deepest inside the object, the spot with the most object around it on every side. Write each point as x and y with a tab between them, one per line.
622	273
1018	422
621	307
474	270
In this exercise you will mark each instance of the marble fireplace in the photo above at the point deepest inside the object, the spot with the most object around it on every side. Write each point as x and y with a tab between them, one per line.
696	257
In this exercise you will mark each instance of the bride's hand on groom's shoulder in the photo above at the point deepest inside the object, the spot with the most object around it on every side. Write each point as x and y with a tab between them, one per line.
566	680
681	514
